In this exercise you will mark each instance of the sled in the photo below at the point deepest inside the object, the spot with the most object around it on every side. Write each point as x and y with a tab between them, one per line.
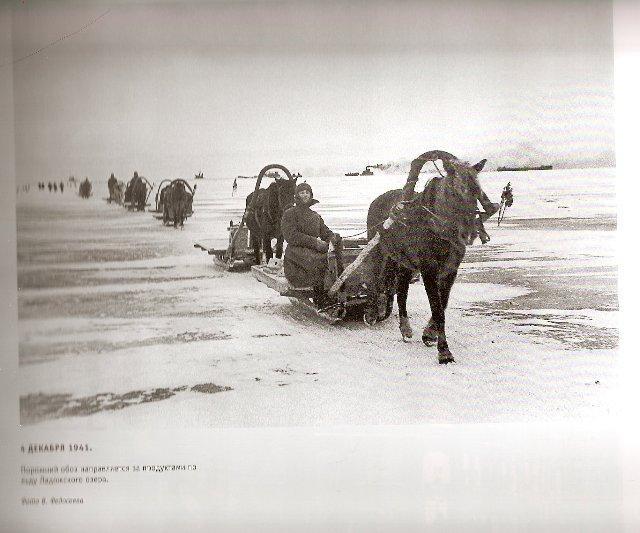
241	258
158	211
346	282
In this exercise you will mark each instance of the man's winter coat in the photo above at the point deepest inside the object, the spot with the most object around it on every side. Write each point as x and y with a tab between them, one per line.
304	264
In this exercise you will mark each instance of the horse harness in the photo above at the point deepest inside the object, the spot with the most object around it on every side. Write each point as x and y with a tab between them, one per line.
420	204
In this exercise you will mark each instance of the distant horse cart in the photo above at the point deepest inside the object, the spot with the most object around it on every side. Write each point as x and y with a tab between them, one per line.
137	193
174	202
250	240
117	195
116	191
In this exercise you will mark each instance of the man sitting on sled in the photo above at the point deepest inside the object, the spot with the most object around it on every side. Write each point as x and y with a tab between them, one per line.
307	237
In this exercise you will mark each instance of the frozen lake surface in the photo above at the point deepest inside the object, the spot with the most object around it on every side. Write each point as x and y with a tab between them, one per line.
123	322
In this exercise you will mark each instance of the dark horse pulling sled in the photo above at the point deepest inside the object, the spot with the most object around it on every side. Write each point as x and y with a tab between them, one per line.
251	238
174	202
137	192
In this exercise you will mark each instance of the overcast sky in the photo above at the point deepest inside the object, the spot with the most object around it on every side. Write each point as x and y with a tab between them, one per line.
166	89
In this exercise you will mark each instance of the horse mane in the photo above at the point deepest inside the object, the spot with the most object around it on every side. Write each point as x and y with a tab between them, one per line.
272	198
453	201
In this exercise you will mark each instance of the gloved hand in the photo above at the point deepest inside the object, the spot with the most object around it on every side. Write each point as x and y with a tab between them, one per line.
335	239
321	246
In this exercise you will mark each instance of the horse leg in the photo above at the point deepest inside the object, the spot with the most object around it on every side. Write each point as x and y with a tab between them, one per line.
429	271
445	282
449	273
451	257
266	246
404	280
389	277
279	245
255	244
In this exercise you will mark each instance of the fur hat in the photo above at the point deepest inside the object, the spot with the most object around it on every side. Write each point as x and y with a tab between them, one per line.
304	186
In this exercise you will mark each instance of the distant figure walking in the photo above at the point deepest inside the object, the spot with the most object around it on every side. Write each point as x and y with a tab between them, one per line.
61	187
49	185
235	187
55	187
111	185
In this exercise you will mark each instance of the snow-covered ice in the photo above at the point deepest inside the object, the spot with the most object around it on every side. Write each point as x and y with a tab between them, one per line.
122	322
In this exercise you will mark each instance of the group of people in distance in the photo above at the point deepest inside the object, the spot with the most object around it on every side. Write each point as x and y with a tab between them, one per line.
52	186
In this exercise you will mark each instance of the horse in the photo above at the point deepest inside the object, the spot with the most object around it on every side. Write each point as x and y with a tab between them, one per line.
177	203
136	193
431	238
263	216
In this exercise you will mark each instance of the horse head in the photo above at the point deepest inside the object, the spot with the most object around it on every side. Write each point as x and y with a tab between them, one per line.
463	179
457	196
286	191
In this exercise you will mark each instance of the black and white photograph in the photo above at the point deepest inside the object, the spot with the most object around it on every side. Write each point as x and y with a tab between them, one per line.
308	214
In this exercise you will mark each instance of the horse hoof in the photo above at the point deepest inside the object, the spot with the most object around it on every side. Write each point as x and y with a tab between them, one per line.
445	357
429	337
405	329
